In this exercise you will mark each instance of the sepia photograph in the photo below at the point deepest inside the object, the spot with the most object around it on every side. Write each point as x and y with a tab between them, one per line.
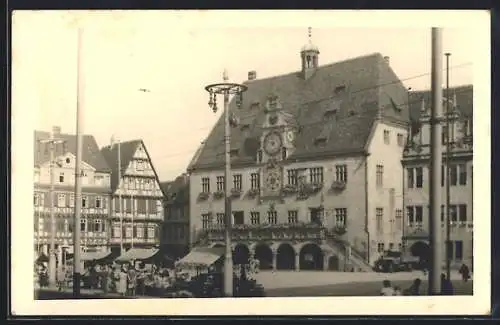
178	155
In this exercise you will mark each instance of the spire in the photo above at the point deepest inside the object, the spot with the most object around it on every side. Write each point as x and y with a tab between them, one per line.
310	47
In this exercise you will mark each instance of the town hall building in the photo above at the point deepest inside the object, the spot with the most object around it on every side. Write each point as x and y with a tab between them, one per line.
316	168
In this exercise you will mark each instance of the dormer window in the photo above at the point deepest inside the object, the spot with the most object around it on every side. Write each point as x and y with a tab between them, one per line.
234	152
339	89
330	114
320	141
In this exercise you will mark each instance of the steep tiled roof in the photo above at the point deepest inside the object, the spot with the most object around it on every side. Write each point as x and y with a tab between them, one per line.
464	95
177	189
361	88
90	153
127	151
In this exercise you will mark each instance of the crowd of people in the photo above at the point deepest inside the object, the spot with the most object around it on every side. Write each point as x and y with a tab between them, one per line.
447	288
126	279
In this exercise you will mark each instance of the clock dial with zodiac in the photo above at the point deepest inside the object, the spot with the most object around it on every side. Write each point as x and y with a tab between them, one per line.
273	181
272	143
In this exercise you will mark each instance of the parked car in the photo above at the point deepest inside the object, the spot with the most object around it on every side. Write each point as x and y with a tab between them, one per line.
392	261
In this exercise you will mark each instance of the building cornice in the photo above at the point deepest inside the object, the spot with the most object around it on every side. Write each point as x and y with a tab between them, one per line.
71	188
309	157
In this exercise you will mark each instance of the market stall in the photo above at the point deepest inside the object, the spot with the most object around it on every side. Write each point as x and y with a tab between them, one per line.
201	259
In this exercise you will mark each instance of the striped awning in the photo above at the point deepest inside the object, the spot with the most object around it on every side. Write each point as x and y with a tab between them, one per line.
137	254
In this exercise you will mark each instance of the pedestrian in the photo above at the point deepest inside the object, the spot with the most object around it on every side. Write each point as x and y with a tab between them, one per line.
132	280
464	271
122	281
104	279
61	278
387	289
397	291
414	289
446	286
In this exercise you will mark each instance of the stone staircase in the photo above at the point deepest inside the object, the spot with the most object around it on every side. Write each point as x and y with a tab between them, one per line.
357	260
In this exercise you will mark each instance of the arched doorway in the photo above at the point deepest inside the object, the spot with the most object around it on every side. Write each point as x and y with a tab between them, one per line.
311	257
264	254
285	257
241	254
334	263
422	250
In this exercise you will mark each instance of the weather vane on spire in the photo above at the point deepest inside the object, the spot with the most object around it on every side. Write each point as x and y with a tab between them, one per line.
309	33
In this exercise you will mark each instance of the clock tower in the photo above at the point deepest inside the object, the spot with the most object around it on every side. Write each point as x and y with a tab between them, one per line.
277	141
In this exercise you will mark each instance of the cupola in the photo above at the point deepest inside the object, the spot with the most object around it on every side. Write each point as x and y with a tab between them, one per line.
309	56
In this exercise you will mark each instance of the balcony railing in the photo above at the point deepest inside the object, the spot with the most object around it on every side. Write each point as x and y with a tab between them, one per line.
289	231
136	240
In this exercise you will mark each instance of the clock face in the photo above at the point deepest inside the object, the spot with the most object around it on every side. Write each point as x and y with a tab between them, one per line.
272	143
273	181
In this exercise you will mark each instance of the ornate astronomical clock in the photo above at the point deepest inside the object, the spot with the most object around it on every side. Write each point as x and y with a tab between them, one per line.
272	180
272	143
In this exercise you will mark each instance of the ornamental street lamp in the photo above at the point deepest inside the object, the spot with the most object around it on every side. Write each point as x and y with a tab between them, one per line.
226	89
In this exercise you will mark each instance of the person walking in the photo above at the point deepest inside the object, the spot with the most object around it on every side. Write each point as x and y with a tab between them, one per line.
61	279
122	281
104	279
464	271
387	289
446	286
131	280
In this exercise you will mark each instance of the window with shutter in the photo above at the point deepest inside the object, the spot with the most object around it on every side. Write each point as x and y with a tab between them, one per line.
141	206
128	205
117	204
153	208
92	202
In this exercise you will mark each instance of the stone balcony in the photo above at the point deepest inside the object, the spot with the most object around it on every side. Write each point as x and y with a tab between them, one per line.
264	232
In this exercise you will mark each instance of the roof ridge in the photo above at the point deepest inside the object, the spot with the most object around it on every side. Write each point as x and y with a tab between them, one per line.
318	68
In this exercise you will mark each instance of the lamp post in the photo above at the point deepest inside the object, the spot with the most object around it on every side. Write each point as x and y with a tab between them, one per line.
436	162
78	170
52	141
447	170
226	88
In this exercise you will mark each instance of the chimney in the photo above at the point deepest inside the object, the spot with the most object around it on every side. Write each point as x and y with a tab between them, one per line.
56	131
252	75
387	59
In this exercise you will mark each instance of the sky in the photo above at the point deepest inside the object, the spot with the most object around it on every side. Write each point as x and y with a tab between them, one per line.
175	54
